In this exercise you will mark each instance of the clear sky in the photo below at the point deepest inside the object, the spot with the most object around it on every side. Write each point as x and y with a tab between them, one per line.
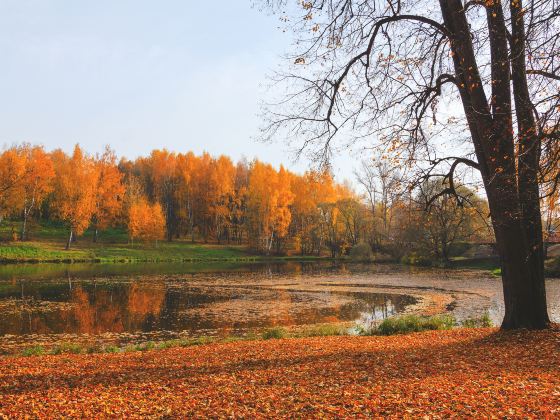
139	75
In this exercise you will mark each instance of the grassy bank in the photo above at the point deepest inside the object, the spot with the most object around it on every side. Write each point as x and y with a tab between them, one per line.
47	245
457	373
391	326
83	251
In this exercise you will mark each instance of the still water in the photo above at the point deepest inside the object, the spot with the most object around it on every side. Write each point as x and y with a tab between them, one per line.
183	298
137	302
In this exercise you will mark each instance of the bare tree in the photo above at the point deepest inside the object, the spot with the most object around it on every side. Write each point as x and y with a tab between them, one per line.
438	85
383	184
445	221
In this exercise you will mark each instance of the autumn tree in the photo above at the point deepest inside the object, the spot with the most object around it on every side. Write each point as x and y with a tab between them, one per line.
75	191
268	199
146	221
110	191
12	170
187	165
238	204
445	221
164	180
414	77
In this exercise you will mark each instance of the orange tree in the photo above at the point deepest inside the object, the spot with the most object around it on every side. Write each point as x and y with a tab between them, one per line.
146	221
109	194
75	191
36	183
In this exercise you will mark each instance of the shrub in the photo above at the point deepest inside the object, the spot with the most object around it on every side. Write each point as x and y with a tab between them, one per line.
33	351
324	330
413	323
416	259
67	348
483	321
149	345
361	252
276	332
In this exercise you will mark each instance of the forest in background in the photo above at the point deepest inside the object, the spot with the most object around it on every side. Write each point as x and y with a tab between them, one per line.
175	196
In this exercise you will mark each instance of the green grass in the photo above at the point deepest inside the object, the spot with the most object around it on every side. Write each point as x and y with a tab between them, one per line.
490	263
323	330
274	333
84	252
33	351
47	244
390	326
483	321
65	348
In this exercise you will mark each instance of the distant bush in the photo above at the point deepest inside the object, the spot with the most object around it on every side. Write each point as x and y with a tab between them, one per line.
67	348
416	259
483	321
361	252
414	323
274	333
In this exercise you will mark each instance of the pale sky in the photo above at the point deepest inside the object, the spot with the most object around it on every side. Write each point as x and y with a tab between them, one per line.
141	74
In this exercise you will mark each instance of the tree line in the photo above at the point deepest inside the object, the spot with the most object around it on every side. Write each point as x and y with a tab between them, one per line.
183	196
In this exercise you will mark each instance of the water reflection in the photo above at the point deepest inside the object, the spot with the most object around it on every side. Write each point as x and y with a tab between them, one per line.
229	301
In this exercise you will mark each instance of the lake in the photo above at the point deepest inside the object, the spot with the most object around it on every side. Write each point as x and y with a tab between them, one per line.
138	302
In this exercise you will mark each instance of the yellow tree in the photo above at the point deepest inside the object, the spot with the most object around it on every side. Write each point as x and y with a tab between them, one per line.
221	182
186	168
12	169
35	184
165	185
269	196
313	193
110	191
75	191
146	221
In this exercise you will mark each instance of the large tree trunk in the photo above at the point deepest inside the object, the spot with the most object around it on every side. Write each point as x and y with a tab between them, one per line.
512	190
523	283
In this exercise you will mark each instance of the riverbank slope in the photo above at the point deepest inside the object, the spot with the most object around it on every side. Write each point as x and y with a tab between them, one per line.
48	242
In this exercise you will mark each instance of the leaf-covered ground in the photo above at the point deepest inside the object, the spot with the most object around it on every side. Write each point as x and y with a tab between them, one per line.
439	374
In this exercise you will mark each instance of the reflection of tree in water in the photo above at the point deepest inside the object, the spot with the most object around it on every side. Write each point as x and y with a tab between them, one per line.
381	306
89	310
161	304
133	307
282	308
145	302
98	312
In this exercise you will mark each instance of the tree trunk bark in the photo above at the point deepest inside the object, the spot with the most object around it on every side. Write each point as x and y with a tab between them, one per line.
23	236
512	190
70	237
523	283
